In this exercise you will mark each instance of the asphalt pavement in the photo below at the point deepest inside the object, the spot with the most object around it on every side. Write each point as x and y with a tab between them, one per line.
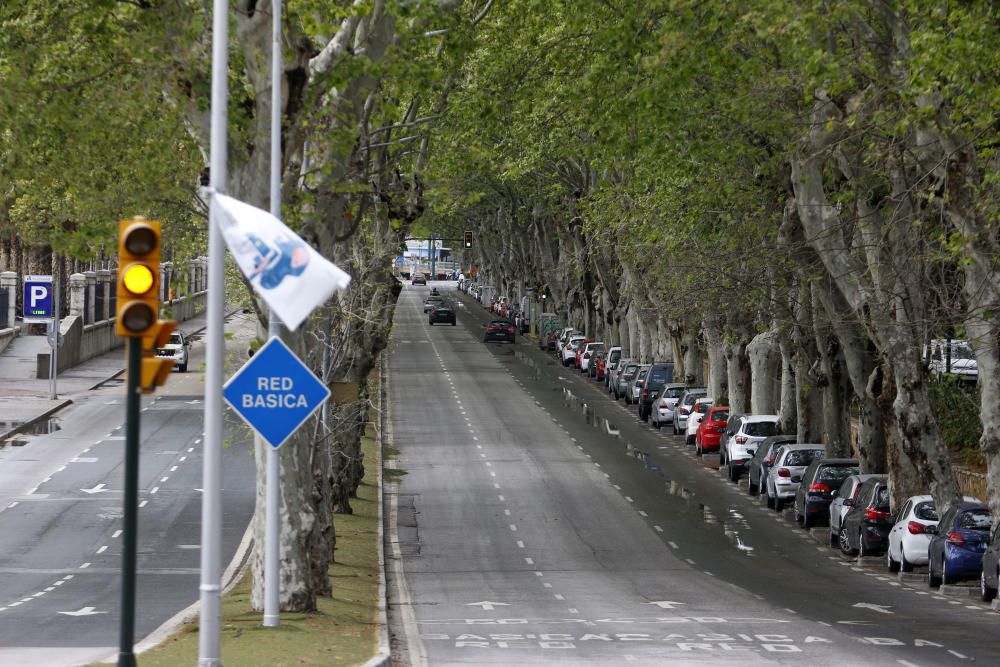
539	521
61	514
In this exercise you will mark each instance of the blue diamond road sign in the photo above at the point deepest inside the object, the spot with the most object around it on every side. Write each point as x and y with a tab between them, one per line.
275	392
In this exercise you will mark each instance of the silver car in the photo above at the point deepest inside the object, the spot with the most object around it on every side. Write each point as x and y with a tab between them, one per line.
627	375
843	500
790	461
663	407
683	408
634	388
615	375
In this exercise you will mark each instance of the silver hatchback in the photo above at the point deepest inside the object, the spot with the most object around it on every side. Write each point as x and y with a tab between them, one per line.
790	461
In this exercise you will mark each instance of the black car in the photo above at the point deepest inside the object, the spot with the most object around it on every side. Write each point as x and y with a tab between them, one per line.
442	315
499	330
865	528
762	461
819	481
659	374
989	576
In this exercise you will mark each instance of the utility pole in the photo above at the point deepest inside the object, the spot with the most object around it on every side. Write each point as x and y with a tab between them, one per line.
54	341
432	245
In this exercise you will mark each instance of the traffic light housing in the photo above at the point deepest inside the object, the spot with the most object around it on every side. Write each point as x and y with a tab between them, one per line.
468	238
155	370
138	284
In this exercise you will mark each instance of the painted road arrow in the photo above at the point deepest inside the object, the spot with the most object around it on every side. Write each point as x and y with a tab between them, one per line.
486	605
880	608
665	604
97	489
83	611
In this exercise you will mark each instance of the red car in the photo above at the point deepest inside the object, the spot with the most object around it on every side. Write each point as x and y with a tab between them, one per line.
579	351
600	366
709	434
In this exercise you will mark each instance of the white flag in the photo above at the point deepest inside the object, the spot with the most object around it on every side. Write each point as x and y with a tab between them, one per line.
291	277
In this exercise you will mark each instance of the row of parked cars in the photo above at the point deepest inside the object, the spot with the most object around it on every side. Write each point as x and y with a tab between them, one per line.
855	507
501	306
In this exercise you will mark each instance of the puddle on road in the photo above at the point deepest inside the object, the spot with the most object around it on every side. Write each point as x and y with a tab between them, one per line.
43	427
733	524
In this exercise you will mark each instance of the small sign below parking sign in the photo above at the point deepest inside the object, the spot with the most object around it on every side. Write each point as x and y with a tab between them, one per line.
38	302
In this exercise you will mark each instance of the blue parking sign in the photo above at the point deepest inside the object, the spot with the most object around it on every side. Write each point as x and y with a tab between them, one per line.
38	300
275	392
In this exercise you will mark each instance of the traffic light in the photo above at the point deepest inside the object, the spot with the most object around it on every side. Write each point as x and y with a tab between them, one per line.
138	299
468	238
155	370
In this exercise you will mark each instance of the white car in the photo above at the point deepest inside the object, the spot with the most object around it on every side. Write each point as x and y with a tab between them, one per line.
790	461
662	411
568	351
698	412
908	538
746	434
684	406
610	361
589	350
176	348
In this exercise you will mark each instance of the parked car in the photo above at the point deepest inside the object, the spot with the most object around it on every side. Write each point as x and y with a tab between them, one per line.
578	352
614	378
587	355
958	543
989	576
659	374
747	433
442	315
843	500
176	349
498	330
908	537
762	461
684	406
815	492
790	461
607	361
865	528
662	411
568	353
698	412
707	435
635	387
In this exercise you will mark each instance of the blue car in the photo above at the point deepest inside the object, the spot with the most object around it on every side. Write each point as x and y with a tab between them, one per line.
958	543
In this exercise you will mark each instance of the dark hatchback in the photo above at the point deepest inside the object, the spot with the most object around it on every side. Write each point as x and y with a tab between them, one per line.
659	374
865	528
958	543
819	481
762	461
499	330
442	315
989	577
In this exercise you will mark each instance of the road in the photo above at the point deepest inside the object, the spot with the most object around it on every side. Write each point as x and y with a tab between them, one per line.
539	521
60	540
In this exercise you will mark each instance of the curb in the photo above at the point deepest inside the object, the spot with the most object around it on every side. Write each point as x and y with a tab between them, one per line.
34	420
384	656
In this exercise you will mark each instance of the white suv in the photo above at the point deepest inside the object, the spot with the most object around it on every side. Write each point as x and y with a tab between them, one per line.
746	434
177	349
568	351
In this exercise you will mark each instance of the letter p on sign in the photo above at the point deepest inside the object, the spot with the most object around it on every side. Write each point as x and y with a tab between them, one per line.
38	293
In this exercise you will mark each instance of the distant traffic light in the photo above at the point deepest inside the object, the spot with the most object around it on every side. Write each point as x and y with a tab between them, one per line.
138	299
468	238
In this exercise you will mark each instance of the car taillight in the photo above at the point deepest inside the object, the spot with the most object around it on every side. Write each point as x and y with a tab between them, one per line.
769	460
784	472
569	347
915	528
586	355
685	411
645	394
872	513
820	487
955	537
741	440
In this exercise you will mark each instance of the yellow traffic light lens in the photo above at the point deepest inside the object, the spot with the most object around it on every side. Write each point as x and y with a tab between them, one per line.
137	278
137	317
140	239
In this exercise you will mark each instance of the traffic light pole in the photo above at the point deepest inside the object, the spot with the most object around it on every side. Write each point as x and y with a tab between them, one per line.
133	396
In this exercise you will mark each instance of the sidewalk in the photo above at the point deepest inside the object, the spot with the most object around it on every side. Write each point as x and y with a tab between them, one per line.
24	399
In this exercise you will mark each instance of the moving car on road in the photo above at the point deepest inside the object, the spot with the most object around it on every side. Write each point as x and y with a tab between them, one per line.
442	315
177	349
418	279
432	302
815	492
958	543
498	330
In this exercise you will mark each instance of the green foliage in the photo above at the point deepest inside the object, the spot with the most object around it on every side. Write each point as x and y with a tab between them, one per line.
956	409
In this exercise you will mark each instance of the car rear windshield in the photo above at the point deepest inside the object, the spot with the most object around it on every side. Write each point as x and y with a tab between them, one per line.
926	511
761	429
882	497
720	416
615	356
661	375
674	392
977	519
836	474
802	457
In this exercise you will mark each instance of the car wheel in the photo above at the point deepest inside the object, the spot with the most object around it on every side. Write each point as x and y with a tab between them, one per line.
904	565
862	549
751	487
933	580
770	500
806	523
945	579
656	425
673	427
183	368
845	543
779	504
689	440
891	563
986	592
452	324
697	448
734	474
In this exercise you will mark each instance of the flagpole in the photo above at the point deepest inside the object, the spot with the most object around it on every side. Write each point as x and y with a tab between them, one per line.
209	638
272	562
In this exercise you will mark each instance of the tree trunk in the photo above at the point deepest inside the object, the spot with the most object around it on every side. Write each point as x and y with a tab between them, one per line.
718	386
765	372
